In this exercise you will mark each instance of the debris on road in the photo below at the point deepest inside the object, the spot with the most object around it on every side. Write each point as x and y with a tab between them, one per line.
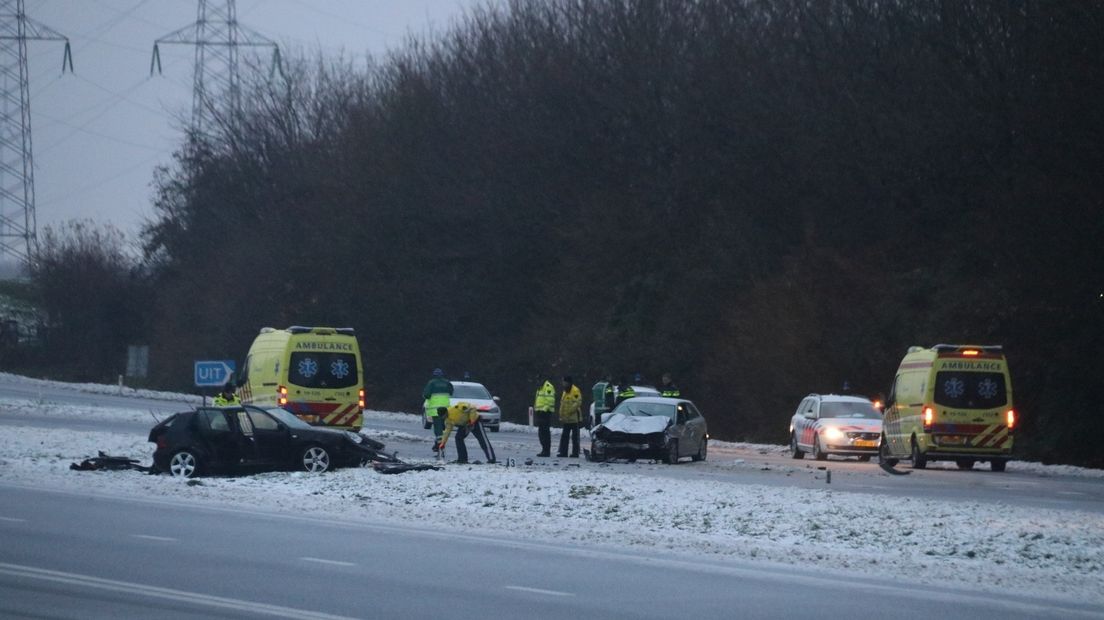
109	463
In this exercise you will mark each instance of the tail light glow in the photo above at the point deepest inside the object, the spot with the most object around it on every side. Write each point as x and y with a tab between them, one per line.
929	417
1010	417
971	352
281	396
360	399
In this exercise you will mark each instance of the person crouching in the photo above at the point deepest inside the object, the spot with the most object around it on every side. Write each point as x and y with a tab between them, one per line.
464	418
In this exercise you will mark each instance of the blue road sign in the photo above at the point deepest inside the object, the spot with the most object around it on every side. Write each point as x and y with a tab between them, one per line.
213	373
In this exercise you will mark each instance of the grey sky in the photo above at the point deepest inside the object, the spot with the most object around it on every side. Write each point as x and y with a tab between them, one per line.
99	134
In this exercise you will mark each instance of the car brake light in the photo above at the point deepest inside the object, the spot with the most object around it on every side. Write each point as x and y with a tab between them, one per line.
360	399
1011	418
971	352
281	396
162	443
929	417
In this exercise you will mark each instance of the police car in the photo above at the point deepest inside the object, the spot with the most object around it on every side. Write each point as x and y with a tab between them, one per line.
832	424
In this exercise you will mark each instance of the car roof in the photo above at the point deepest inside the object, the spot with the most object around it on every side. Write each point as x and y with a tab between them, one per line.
468	383
842	398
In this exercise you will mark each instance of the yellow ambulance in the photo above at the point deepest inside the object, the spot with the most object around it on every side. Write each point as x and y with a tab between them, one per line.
313	372
950	403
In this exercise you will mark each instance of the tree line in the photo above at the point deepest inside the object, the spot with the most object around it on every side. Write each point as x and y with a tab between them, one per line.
765	198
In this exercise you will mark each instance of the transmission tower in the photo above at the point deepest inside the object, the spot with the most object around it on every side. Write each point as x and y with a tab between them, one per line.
217	37
18	236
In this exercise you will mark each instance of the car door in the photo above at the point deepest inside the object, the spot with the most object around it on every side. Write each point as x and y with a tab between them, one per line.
272	439
808	421
695	429
218	438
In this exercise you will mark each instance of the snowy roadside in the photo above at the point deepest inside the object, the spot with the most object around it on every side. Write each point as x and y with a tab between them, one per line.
1049	553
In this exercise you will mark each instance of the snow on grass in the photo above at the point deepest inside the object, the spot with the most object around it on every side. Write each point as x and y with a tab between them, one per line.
1030	550
100	388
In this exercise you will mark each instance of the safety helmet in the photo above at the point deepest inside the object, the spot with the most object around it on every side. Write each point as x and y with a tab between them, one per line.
437	372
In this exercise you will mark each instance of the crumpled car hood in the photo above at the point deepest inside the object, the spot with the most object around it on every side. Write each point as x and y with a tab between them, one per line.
635	425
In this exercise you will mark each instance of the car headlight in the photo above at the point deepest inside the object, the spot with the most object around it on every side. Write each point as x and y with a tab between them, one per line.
354	437
833	434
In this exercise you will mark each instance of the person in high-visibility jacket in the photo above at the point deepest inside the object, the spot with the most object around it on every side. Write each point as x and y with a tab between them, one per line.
571	415
668	388
544	405
437	394
227	396
464	418
625	391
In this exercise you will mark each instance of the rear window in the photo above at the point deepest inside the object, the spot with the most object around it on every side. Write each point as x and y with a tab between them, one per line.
970	390
323	370
470	391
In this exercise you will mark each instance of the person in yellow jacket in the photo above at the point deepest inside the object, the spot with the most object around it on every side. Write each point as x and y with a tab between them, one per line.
544	405
464	418
227	397
571	416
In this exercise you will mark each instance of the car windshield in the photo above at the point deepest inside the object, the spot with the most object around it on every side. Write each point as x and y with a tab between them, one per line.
287	418
475	391
849	409
633	407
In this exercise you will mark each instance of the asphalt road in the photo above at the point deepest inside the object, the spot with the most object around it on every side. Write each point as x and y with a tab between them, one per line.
725	465
72	555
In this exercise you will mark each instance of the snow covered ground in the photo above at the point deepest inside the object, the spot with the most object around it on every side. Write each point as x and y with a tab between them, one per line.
1031	551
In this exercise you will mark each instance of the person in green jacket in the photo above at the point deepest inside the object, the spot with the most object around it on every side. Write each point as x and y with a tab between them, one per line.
544	405
436	395
571	416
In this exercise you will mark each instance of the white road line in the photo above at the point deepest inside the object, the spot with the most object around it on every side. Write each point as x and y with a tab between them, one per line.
157	538
12	519
330	562
539	591
194	598
1071	493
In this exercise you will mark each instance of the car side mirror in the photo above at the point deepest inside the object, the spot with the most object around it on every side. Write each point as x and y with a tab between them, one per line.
810	415
496	399
280	426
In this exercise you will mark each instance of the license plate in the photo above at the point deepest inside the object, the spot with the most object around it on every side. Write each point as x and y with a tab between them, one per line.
865	443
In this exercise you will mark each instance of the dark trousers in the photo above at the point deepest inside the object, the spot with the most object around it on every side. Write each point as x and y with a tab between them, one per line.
544	430
480	436
569	428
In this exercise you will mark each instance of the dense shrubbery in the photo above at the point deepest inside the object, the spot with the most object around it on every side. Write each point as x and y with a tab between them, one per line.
765	198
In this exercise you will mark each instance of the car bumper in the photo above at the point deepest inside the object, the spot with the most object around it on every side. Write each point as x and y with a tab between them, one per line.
490	419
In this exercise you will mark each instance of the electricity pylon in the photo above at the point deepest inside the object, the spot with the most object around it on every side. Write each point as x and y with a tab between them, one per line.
217	37
18	237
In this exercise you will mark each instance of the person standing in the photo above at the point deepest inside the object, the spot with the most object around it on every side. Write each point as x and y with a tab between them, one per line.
571	414
625	391
464	418
668	388
436	395
544	405
227	396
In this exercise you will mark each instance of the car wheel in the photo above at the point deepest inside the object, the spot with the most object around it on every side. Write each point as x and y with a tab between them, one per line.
703	450
883	453
818	453
919	461
315	459
184	463
997	464
795	452
865	458
672	452
965	463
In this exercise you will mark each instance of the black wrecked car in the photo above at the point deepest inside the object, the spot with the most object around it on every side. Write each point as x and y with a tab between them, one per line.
246	439
658	428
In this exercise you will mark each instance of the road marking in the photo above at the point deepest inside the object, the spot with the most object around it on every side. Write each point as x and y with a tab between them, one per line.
539	591
184	596
1071	493
157	538
12	519
330	562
